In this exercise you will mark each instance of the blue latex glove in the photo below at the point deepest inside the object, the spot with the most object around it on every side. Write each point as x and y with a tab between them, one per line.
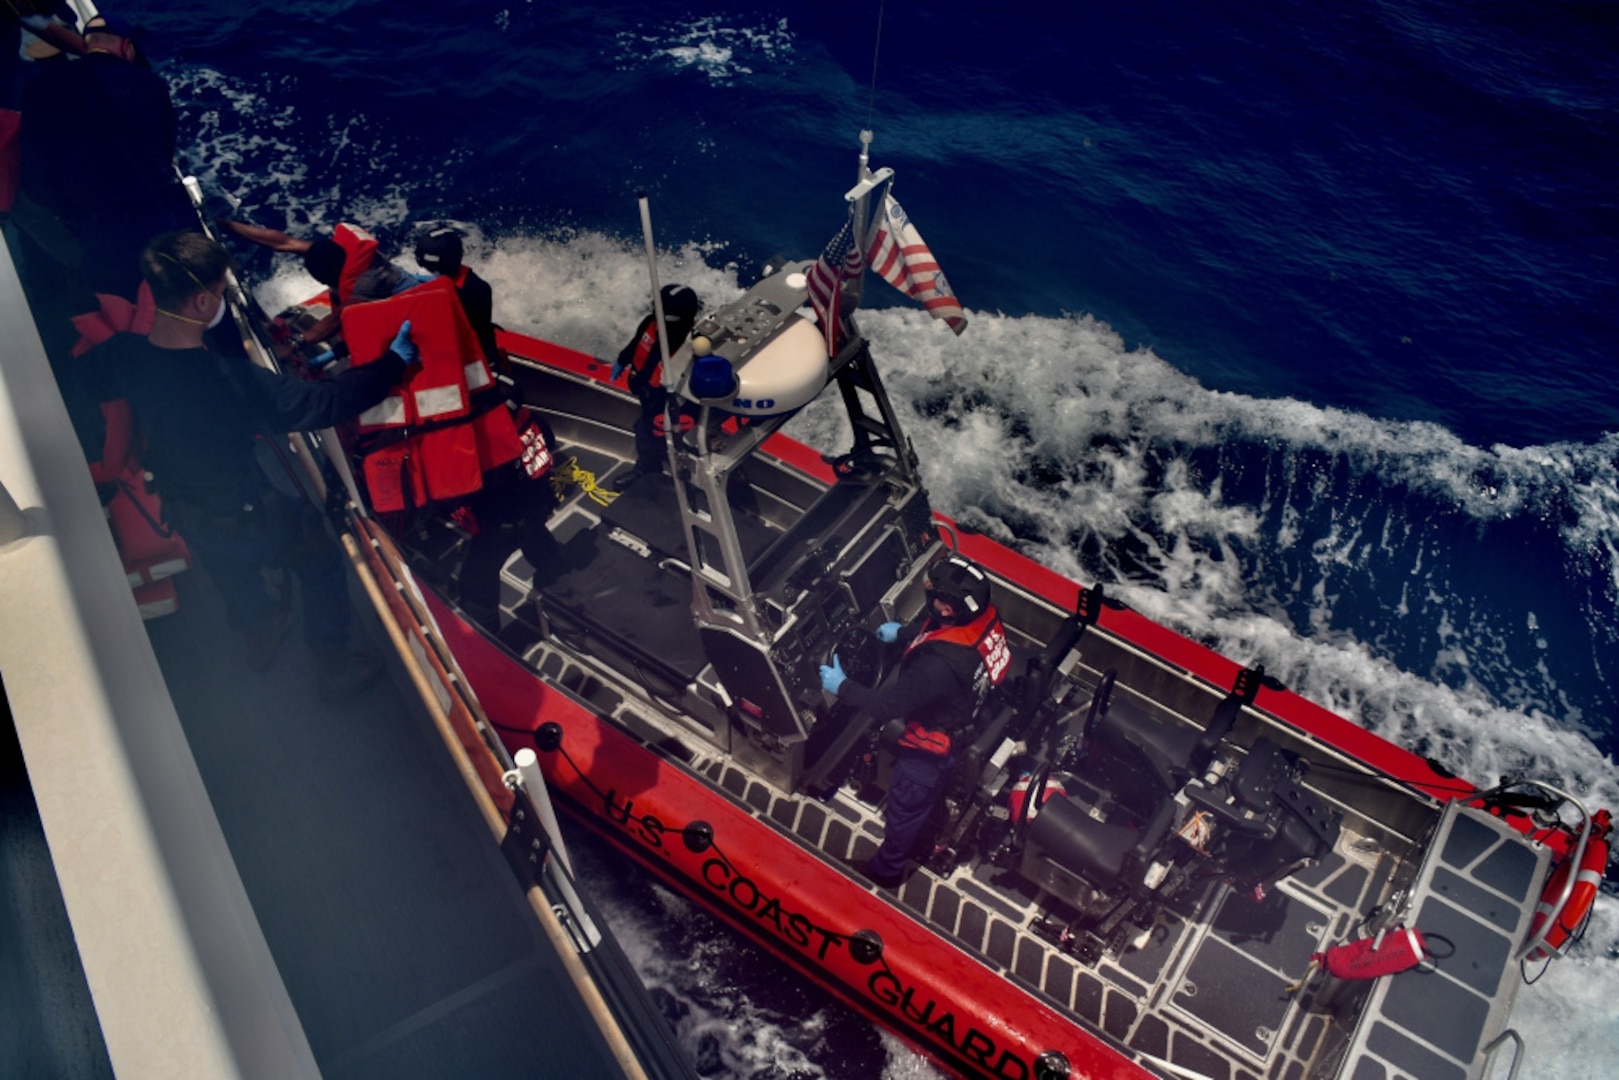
618	369
888	631
405	347
832	677
320	360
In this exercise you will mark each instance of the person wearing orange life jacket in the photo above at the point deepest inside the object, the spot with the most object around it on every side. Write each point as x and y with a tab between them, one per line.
199	413
509	512
953	656
642	359
440	251
347	264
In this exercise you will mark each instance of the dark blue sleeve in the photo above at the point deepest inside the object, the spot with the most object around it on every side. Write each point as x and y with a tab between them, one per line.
284	403
925	681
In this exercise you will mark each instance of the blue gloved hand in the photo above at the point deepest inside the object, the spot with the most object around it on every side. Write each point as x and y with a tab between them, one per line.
618	369
888	631
832	677
321	359
405	347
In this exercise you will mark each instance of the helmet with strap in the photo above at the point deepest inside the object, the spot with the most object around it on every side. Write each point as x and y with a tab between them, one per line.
961	584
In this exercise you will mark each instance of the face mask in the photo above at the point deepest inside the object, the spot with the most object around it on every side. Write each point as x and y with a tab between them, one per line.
219	315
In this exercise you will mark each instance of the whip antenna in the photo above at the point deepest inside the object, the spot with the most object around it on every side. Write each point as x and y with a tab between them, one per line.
871	102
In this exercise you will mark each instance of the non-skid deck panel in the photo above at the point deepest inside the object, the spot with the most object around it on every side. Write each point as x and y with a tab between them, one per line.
1235	995
1476	893
648	510
629	597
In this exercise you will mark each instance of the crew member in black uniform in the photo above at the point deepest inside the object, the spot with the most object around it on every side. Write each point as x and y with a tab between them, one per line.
643	360
440	251
97	164
199	413
952	657
96	182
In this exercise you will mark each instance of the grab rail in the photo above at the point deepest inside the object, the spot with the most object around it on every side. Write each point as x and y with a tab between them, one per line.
1537	939
1495	1045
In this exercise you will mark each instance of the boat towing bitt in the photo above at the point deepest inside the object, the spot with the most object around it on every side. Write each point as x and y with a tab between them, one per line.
1143	845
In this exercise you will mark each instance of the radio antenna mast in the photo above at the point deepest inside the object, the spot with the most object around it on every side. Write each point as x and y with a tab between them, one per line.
871	102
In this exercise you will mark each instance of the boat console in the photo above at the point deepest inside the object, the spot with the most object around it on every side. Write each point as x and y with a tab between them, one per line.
768	618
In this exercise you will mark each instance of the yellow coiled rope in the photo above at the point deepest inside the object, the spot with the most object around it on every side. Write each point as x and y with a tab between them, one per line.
569	474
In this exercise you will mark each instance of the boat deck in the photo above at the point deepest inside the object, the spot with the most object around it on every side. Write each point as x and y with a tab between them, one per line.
1204	988
1225	972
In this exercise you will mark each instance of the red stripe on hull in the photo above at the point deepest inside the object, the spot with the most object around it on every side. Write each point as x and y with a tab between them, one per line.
1303	714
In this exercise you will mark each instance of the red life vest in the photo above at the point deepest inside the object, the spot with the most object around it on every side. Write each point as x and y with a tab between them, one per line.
984	635
114	315
359	249
979	654
151	550
448	441
647	356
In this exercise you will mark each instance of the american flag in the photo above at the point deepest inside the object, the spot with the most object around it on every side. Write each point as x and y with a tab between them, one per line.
838	265
900	257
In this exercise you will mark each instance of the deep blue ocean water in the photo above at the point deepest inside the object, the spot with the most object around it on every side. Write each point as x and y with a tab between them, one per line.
1292	322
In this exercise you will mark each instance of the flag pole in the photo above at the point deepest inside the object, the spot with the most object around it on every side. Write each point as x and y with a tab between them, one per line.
859	199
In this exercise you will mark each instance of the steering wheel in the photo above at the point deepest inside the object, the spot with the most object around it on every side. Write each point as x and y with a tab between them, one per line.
863	657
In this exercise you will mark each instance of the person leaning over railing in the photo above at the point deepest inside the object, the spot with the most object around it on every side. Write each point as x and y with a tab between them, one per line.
199	414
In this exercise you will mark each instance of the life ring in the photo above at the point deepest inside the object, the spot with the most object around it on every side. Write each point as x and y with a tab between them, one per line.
1572	919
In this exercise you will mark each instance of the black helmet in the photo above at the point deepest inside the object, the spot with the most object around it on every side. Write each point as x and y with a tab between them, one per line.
324	259
680	304
439	251
962	584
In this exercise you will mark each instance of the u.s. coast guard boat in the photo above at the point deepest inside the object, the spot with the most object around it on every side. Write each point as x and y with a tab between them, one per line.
1153	861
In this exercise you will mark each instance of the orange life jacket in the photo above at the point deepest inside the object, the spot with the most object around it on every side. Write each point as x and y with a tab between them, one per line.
448	440
979	654
648	358
359	249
